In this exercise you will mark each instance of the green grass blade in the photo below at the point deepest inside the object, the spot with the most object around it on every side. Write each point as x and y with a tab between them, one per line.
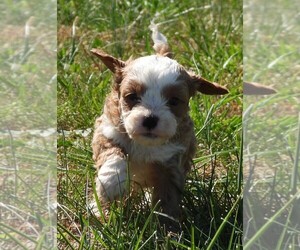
296	162
261	231
138	242
2	226
220	229
17	241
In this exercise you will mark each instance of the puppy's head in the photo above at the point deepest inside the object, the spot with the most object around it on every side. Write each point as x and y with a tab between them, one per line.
154	93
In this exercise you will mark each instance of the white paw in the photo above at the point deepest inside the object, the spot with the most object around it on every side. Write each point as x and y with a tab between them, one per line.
111	179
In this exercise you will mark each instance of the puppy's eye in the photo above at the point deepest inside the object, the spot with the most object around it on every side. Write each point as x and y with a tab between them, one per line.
133	98
174	101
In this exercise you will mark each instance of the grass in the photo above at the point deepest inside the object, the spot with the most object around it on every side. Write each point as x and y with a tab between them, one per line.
205	36
28	113
271	126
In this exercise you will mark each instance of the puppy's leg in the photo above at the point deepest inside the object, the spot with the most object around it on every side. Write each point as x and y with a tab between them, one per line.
167	192
110	161
111	178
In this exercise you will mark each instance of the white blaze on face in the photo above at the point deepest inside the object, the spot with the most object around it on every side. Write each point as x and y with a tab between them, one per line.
154	73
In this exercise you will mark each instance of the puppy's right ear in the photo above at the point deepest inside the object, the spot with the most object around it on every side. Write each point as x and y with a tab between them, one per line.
112	63
253	88
206	87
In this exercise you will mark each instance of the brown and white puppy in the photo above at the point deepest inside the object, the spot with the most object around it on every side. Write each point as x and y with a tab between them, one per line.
145	131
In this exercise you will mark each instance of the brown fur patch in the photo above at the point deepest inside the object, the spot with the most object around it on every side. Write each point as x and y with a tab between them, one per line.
128	90
163	50
178	98
102	147
186	136
206	87
111	108
253	88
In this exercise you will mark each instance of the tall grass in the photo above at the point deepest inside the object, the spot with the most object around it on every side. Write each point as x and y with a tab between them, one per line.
27	126
205	36
271	126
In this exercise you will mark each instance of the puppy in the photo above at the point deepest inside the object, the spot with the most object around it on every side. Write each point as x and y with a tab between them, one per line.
145	132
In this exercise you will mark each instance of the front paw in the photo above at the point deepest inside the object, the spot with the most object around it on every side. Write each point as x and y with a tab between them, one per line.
111	179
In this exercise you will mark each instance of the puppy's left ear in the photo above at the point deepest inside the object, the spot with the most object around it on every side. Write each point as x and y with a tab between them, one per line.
206	87
112	63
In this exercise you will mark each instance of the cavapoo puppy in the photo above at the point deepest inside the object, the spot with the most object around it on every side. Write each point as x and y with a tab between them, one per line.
145	132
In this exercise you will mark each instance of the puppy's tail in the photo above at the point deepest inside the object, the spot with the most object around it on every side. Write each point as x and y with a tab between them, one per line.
161	45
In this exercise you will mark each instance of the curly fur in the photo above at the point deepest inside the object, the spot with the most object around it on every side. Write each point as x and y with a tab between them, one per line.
145	131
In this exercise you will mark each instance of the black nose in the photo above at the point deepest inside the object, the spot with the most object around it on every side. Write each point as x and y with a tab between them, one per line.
150	122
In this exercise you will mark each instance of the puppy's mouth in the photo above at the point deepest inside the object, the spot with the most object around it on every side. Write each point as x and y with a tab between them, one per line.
150	135
149	139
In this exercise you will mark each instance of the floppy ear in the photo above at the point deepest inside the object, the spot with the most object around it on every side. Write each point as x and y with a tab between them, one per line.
112	63
206	87
253	88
